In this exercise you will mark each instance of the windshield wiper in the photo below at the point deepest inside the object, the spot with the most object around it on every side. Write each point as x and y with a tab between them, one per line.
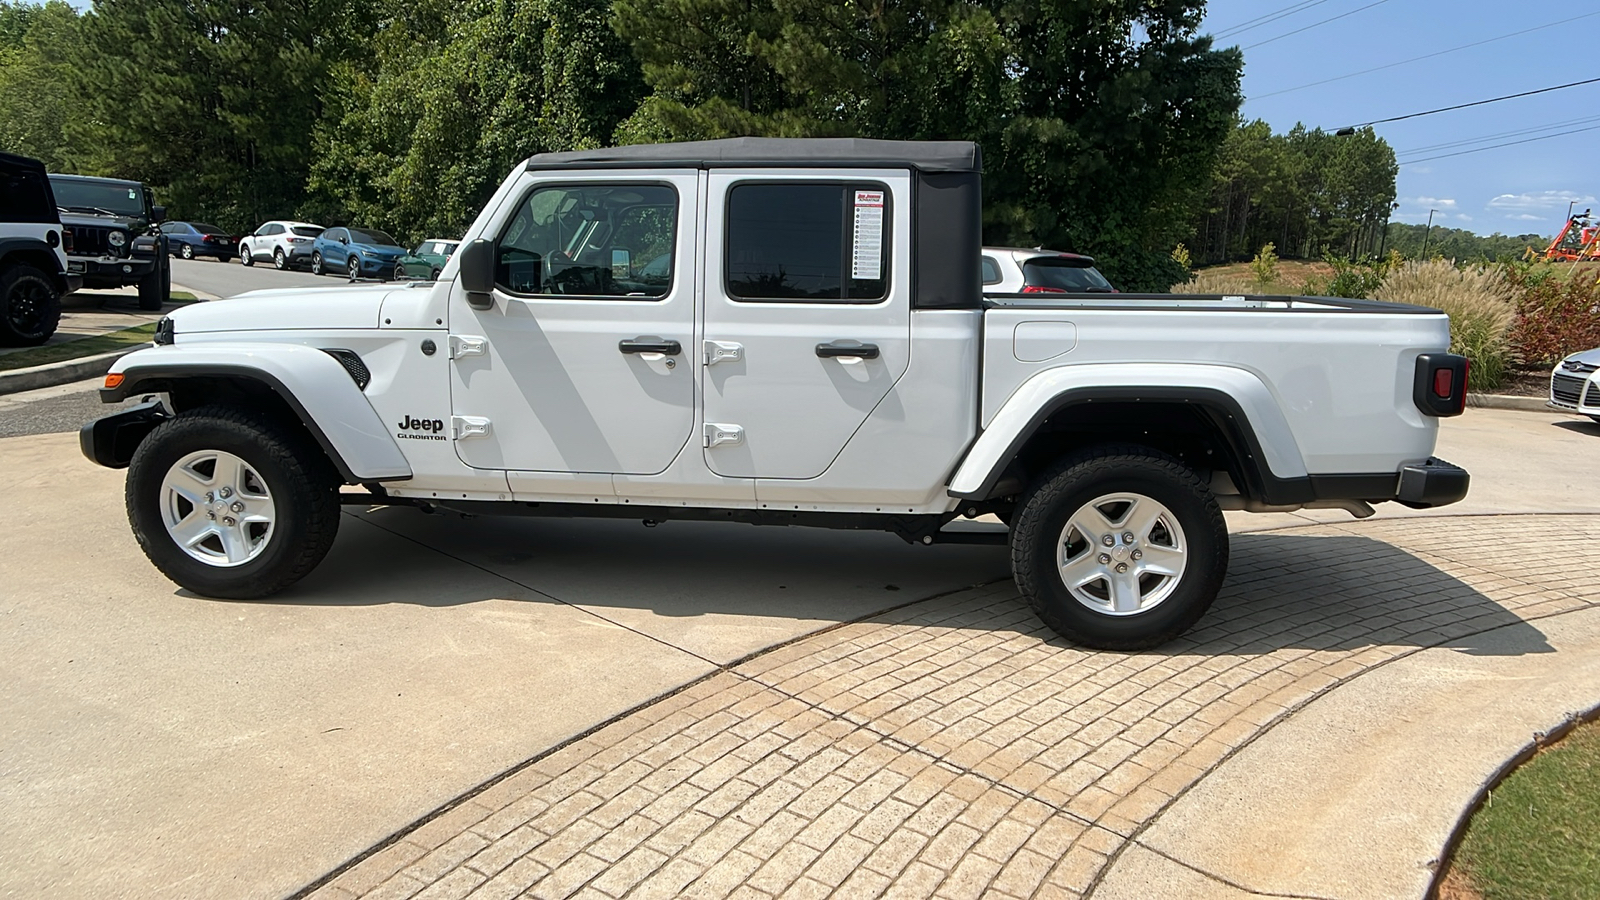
94	209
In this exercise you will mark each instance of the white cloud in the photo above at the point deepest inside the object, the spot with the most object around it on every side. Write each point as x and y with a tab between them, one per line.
1552	201
1463	217
1439	203
1525	217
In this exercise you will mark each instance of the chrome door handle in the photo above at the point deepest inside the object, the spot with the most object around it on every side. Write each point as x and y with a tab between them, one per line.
650	345
837	349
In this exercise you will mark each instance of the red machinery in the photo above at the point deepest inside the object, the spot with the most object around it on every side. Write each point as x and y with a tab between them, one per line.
1579	240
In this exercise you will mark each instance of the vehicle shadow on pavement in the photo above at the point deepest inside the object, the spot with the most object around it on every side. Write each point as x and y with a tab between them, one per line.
1586	427
1334	592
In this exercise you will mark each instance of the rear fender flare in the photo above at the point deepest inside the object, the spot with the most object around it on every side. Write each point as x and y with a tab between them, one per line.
313	384
1250	415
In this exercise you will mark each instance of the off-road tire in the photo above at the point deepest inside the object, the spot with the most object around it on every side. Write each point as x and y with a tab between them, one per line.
30	306
280	260
155	288
303	488
1061	491
246	256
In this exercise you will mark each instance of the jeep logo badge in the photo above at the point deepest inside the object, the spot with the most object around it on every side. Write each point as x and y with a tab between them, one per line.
432	425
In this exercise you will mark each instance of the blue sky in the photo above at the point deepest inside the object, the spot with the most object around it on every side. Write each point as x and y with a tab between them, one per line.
1523	188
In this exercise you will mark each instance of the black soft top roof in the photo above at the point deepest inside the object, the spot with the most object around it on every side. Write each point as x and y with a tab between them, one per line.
12	162
924	156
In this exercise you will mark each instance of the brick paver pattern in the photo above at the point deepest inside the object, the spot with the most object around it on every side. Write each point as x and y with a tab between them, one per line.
957	748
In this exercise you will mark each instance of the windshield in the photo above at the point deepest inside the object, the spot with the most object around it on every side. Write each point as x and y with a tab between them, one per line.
363	236
119	199
1071	275
307	230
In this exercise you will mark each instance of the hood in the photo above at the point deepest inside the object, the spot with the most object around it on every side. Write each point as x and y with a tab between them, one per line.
1587	357
380	249
285	310
127	223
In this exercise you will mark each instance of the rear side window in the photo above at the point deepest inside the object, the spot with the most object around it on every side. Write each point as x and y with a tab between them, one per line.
303	230
1064	275
590	240
24	198
991	271
816	242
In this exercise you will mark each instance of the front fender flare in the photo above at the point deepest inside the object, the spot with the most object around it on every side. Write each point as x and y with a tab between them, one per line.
1258	423
310	381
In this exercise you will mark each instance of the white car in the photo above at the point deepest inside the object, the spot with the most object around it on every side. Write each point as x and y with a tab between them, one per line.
805	342
280	242
1575	384
1019	270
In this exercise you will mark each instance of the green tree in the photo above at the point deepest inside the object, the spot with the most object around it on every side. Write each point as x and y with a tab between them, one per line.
38	47
1460	244
1100	121
212	103
420	132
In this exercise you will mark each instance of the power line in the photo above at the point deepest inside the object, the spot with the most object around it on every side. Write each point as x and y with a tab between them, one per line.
1270	17
1316	24
1405	62
1350	129
1498	146
1504	134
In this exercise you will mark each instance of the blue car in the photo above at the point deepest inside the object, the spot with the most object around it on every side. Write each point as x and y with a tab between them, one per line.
191	239
355	253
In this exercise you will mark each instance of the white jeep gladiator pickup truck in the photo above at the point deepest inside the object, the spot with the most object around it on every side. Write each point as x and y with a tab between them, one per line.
777	332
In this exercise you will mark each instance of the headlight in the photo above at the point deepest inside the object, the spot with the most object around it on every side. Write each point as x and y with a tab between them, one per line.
117	238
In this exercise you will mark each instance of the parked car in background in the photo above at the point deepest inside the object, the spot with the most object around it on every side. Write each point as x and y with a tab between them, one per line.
1018	270
1575	384
283	242
114	238
192	239
426	261
356	253
33	257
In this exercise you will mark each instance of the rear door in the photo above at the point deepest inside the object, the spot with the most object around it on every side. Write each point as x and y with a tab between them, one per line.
807	314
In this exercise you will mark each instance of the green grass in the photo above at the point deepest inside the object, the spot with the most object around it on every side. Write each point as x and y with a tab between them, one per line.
125	339
1538	834
183	297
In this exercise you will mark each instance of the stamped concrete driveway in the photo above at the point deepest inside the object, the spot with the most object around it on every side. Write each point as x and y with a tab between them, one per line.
162	744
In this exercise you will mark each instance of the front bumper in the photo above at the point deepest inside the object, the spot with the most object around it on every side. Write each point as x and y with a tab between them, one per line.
110	441
92	269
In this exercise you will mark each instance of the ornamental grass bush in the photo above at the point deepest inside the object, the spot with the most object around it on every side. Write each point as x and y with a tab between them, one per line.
1480	302
1208	282
1556	316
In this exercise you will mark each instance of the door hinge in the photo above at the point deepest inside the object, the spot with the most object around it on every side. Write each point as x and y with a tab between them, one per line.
467	345
717	434
463	427
723	351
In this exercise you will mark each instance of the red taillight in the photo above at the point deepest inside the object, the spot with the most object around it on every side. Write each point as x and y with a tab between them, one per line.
1443	383
1040	289
208	239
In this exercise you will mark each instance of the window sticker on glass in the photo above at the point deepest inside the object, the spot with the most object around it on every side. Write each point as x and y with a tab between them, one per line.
867	259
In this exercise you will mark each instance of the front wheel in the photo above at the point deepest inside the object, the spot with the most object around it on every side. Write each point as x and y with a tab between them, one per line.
246	256
30	306
353	267
186	251
155	288
1119	548
230	506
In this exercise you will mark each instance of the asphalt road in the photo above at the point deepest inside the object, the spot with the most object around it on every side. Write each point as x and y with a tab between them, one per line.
231	278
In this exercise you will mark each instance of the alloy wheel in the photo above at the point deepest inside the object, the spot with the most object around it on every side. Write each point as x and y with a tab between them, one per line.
217	508
1122	554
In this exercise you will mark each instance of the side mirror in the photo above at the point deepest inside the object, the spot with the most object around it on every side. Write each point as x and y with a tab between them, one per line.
621	263
477	273
158	214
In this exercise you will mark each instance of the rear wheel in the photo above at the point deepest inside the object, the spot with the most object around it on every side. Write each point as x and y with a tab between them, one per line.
228	505
316	263
279	260
1119	548
30	306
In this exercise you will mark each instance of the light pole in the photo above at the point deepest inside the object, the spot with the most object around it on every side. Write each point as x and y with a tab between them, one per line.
1570	205
1426	233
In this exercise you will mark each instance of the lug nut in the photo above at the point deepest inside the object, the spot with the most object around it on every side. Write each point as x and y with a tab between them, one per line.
238	506
1105	558
228	521
1122	568
211	497
225	493
1127	537
1108	540
210	514
1138	554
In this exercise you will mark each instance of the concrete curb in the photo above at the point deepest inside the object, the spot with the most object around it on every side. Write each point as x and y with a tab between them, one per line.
1506	401
65	372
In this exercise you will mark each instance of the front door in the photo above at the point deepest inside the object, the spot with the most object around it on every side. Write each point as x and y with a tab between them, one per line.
807	315
583	362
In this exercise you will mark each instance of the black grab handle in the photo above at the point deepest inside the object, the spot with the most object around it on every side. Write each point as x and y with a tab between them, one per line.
835	349
650	345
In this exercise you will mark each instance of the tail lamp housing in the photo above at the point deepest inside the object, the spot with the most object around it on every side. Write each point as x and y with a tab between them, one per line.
1440	386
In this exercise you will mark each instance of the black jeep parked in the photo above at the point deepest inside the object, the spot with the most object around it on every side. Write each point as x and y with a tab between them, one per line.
114	237
33	264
